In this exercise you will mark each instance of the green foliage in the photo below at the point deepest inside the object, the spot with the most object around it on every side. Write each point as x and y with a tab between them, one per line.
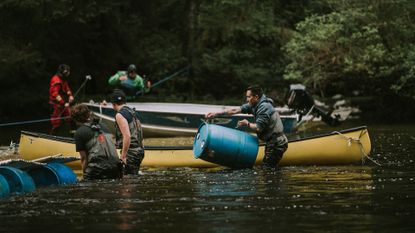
368	44
405	85
331	46
239	44
334	47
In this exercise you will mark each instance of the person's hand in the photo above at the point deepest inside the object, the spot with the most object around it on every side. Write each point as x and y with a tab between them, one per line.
104	103
66	105
124	160
242	123
210	115
122	78
71	99
148	84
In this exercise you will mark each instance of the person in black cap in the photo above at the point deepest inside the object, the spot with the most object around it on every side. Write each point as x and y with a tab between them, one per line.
130	82
128	133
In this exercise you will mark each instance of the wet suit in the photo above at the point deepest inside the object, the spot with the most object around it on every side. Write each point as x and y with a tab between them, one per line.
59	93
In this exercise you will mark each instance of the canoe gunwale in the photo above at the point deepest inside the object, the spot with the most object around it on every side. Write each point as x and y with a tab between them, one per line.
206	108
71	140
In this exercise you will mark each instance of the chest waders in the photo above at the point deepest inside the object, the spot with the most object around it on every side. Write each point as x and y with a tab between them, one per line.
276	143
135	153
103	160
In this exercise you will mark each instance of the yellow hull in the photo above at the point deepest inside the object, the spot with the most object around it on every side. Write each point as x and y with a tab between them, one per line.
338	148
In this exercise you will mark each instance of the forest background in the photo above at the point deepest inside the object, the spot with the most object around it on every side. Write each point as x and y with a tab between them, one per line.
363	50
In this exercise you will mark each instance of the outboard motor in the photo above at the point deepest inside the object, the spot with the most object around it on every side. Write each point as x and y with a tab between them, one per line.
300	100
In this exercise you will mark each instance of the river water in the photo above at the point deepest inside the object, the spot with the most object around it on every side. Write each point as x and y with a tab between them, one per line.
355	198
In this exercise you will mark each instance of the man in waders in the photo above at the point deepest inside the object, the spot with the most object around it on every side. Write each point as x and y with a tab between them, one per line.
268	125
60	96
129	135
99	157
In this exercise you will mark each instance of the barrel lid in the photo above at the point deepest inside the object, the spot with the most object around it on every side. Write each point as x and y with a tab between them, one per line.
201	140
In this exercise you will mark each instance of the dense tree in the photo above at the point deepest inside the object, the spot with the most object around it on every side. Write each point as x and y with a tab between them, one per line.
362	46
331	46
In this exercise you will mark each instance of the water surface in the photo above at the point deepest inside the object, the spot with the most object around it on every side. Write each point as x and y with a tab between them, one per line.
355	198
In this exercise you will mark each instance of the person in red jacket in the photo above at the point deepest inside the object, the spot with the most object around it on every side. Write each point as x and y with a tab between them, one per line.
60	96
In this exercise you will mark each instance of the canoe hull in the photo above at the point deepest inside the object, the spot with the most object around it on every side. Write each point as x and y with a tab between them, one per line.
338	148
178	119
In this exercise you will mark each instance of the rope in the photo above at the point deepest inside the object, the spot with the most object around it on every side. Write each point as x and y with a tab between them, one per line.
166	78
88	77
32	121
350	140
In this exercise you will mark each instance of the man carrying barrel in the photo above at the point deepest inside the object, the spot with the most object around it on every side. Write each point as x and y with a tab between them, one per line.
268	125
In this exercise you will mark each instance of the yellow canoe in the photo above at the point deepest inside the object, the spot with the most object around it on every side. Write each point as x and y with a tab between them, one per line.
337	148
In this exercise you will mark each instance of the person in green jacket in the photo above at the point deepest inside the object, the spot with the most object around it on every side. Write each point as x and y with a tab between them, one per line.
130	82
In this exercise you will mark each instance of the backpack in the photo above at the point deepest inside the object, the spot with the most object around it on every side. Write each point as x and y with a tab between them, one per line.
101	147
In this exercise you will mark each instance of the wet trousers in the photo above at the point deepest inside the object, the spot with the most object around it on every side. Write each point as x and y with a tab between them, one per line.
134	158
275	147
58	112
103	170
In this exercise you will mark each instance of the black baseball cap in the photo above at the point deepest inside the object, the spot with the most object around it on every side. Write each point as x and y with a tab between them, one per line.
117	96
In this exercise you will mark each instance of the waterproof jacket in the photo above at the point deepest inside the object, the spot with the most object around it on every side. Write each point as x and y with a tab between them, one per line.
129	86
266	117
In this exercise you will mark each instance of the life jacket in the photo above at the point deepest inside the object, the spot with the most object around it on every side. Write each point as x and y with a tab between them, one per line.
136	131
101	147
58	86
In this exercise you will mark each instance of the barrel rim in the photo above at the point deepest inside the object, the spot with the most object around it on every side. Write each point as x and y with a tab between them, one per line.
25	180
6	188
198	149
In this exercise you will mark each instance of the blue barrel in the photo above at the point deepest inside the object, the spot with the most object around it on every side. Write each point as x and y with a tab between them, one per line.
4	187
225	146
65	174
18	180
44	176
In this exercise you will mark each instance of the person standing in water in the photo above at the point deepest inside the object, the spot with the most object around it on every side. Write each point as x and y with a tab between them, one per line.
268	125
99	157
129	134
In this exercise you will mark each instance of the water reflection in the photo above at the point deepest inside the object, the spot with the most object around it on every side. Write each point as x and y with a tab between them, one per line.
367	198
221	200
